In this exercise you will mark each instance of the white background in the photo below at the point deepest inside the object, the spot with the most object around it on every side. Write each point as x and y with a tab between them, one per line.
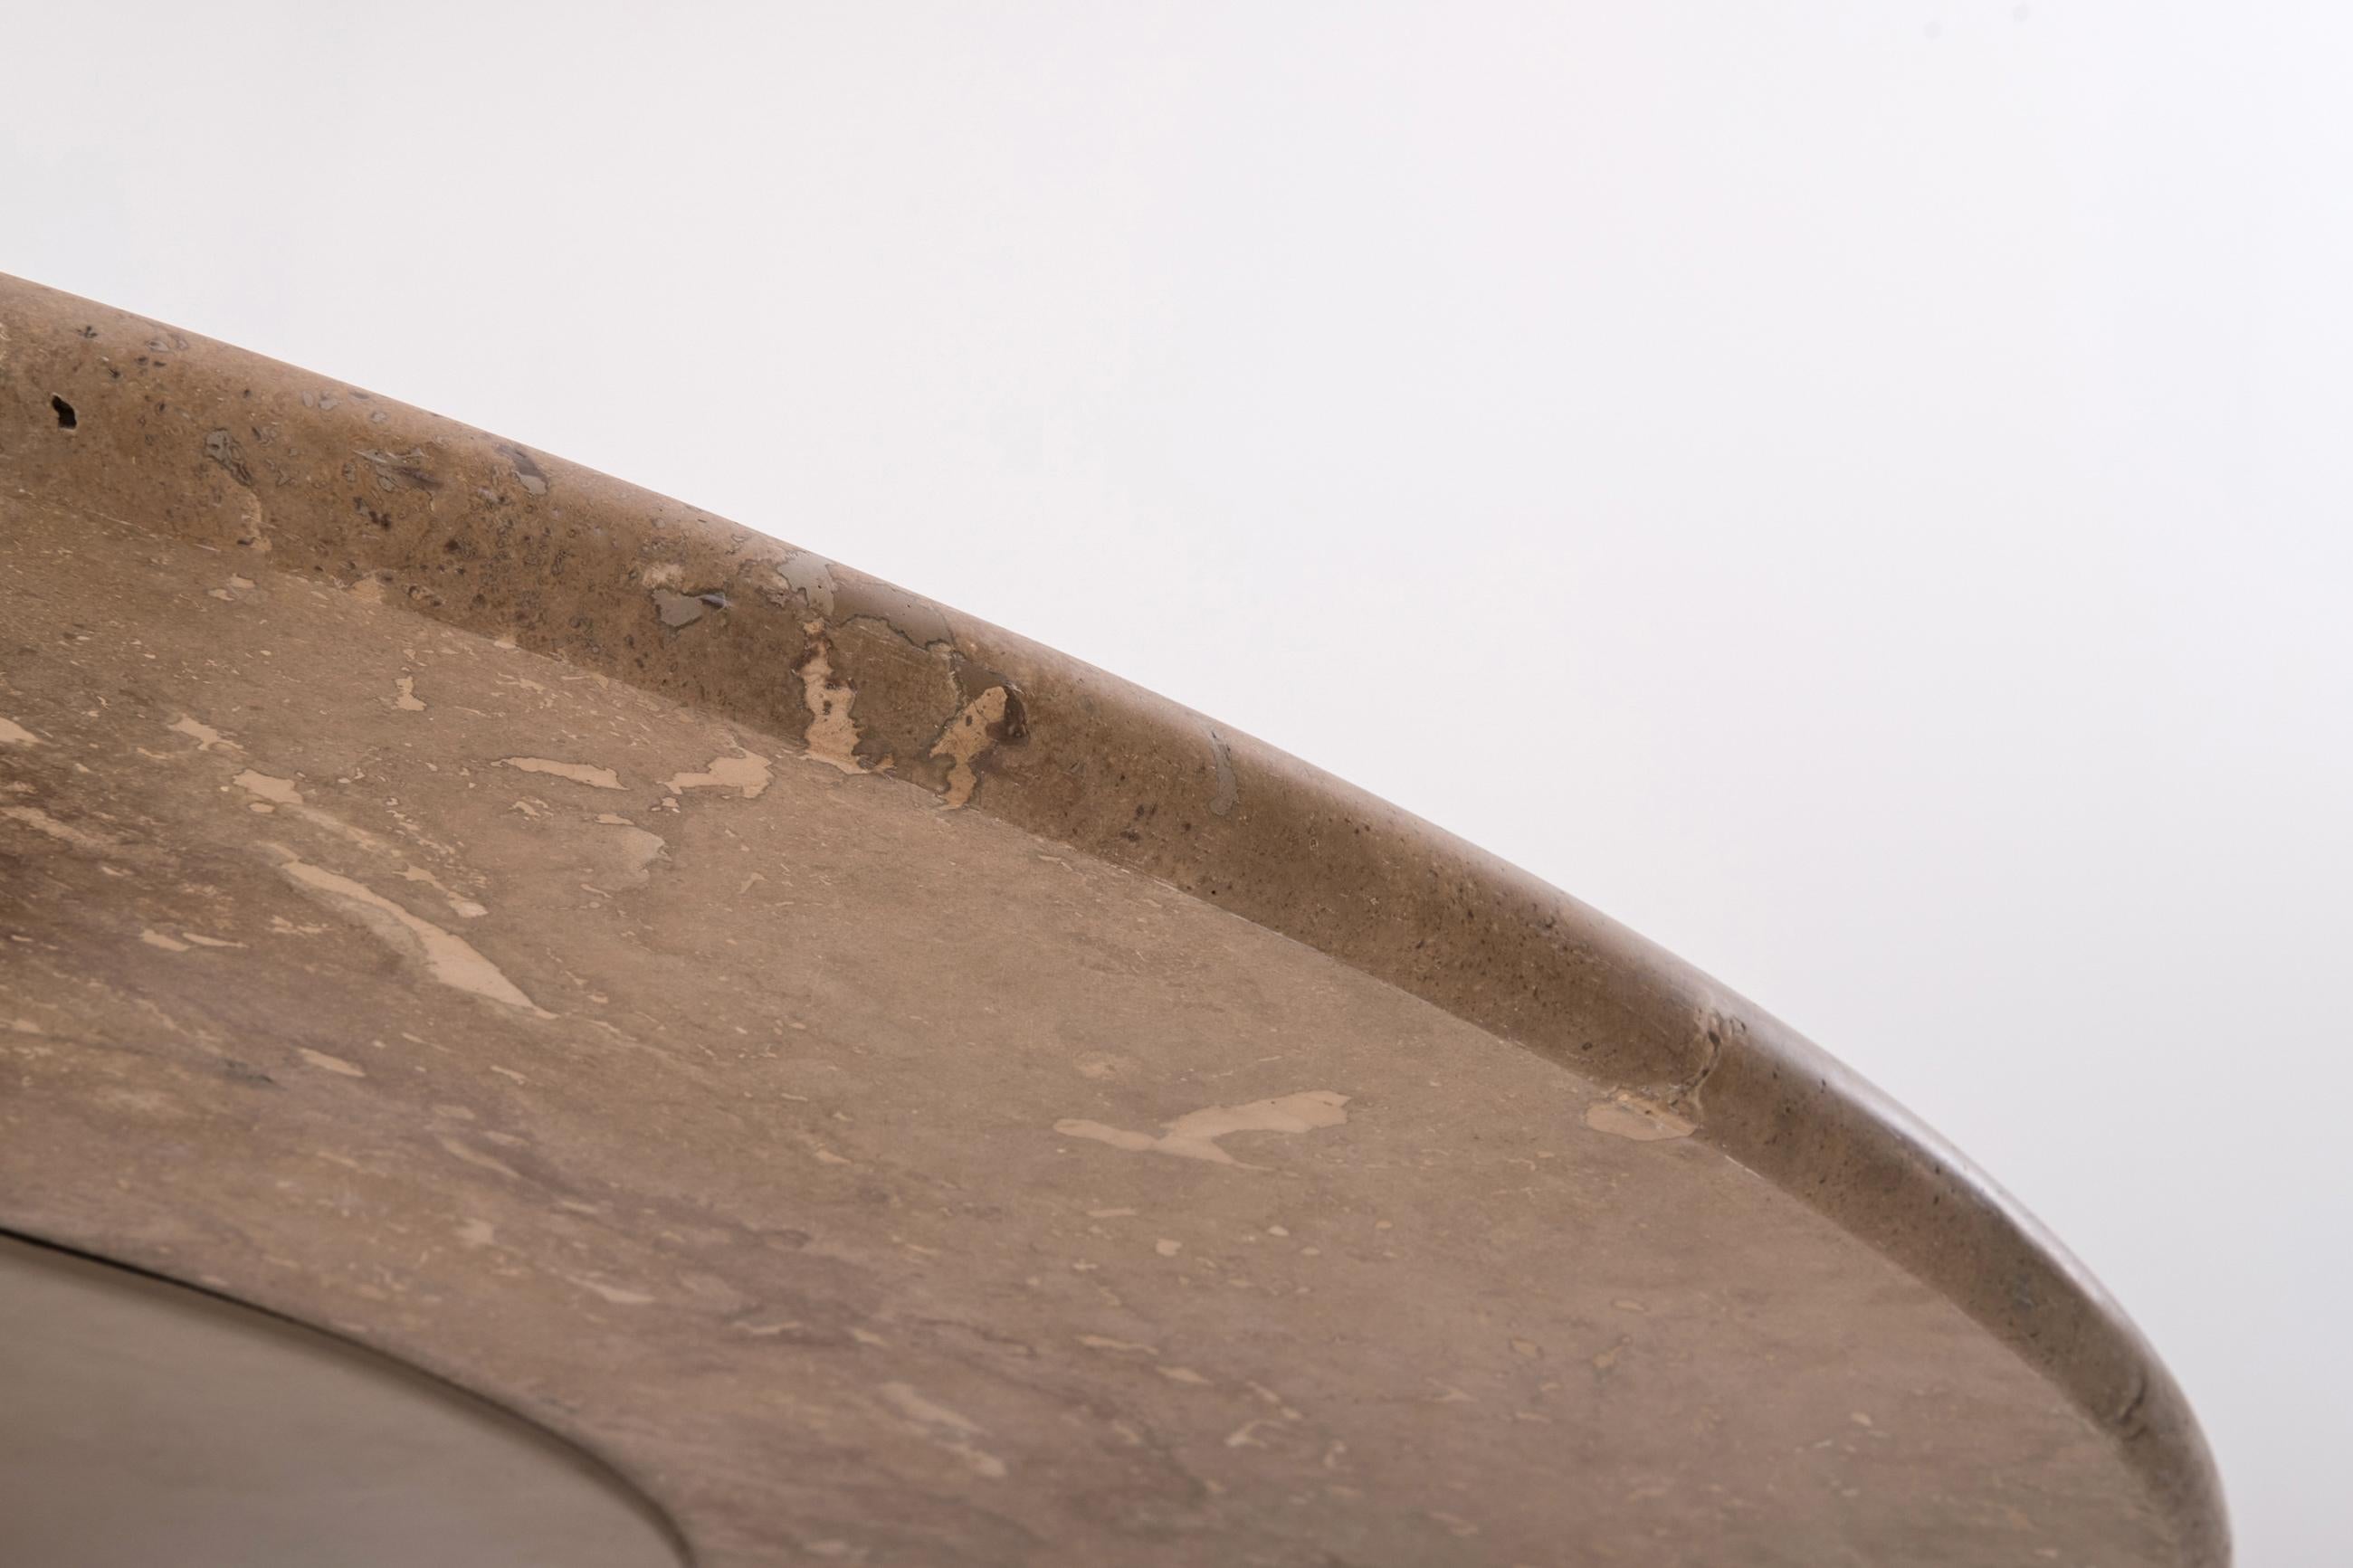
1859	491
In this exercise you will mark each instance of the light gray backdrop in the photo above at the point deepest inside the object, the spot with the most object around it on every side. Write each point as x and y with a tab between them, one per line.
1858	490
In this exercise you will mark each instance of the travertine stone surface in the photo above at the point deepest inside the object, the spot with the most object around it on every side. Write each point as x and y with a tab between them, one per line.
903	1096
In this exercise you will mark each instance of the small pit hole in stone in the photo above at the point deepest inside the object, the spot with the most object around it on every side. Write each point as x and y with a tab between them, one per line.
67	420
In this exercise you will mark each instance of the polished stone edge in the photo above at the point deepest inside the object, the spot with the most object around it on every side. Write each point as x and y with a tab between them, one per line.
106	412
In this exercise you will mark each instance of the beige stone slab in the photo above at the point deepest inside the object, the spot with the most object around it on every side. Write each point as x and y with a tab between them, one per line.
901	1096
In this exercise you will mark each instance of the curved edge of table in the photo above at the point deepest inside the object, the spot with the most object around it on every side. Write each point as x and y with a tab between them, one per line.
101	410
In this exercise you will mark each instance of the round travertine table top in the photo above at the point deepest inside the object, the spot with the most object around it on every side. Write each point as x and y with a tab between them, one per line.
896	1094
